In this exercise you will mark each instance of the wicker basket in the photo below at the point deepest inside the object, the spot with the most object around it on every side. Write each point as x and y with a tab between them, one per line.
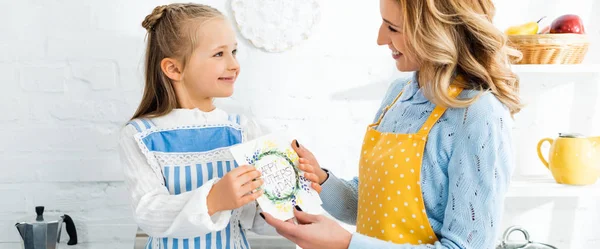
550	48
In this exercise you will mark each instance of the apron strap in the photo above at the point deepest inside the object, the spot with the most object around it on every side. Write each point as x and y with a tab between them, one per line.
235	118
437	113
384	111
142	124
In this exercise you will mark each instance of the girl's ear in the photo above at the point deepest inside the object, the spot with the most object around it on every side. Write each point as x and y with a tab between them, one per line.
171	68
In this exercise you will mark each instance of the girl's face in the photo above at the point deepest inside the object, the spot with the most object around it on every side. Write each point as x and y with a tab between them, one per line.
391	34
212	68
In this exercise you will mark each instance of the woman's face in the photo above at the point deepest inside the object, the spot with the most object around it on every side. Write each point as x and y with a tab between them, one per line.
392	35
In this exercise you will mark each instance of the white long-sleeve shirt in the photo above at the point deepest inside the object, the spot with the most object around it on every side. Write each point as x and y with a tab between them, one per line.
171	163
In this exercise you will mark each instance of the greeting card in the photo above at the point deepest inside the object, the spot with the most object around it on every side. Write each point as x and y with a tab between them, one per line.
284	183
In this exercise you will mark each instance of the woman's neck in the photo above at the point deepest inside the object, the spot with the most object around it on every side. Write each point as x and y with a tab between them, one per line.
416	78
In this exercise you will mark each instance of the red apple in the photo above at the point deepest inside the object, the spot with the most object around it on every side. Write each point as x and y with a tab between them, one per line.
567	24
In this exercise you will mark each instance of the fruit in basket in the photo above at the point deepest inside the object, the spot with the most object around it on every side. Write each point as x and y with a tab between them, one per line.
545	30
530	28
567	24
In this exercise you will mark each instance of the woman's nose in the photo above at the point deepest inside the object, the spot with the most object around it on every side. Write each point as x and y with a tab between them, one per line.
382	37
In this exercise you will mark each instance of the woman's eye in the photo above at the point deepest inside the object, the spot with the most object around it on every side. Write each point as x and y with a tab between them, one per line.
392	29
234	52
219	54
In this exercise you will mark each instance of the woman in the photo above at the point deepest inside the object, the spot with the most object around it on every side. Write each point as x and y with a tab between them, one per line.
436	164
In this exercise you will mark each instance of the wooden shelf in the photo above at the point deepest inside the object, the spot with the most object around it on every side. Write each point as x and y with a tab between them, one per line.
547	187
557	68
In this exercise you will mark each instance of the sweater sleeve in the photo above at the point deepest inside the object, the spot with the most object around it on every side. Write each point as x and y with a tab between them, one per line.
156	211
340	198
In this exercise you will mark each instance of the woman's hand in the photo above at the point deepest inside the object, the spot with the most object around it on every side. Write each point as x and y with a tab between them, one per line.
312	231
310	165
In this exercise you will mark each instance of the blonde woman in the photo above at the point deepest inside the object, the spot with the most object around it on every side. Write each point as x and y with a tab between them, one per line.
437	161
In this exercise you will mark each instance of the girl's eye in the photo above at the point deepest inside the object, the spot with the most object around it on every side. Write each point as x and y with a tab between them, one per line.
234	52
392	29
219	54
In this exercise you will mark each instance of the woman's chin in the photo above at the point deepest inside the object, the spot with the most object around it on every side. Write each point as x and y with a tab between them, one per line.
404	67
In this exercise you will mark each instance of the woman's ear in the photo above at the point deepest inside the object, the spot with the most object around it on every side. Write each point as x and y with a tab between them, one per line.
171	68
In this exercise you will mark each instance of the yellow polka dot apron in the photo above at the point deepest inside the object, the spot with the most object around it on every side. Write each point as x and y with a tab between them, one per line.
390	201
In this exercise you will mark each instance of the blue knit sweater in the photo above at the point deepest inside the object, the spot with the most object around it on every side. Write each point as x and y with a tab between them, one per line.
467	165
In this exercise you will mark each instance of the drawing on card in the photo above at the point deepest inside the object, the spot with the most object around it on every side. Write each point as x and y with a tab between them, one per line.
284	183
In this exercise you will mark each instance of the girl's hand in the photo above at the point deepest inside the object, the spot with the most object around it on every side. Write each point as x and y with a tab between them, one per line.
310	165
236	189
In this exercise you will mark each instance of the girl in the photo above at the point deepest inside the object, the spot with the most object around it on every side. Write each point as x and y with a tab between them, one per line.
182	179
437	161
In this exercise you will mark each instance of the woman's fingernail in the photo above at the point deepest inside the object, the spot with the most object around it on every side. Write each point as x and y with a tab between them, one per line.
298	208
262	215
297	144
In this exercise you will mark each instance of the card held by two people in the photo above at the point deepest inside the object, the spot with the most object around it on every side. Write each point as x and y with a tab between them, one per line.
284	183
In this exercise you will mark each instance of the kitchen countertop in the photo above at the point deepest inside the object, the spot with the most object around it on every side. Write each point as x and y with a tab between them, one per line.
91	245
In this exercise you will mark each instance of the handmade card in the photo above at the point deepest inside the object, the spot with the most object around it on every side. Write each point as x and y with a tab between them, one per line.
284	183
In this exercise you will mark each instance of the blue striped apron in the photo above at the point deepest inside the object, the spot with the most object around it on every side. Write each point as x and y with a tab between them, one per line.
183	178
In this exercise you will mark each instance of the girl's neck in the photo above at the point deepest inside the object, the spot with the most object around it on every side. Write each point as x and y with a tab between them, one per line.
204	104
185	100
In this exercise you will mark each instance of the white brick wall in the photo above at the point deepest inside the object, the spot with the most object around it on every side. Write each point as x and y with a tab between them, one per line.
72	77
